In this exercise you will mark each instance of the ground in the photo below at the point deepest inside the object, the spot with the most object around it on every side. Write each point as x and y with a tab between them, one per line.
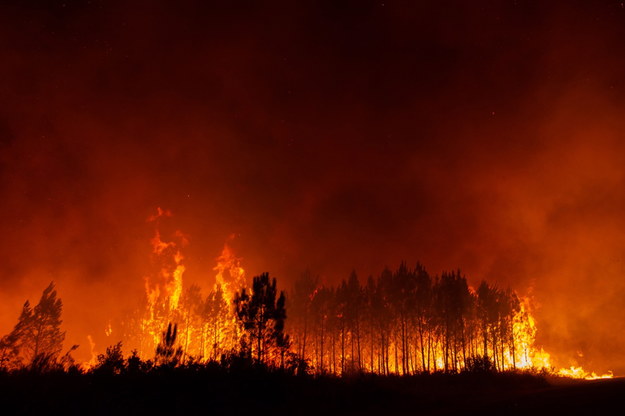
258	392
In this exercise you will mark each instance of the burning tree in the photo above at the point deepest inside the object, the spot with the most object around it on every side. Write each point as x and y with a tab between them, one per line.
407	321
262	317
207	325
215	319
37	336
167	353
300	304
403	321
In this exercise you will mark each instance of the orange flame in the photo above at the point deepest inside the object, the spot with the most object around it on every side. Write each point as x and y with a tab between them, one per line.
230	275
208	326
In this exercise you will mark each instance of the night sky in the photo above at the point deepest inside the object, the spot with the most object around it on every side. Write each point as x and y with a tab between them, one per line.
333	135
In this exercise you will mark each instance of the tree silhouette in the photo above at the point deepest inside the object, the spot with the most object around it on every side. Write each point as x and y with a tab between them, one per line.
282	340
262	316
37	338
190	315
167	354
112	361
321	307
404	321
10	345
300	304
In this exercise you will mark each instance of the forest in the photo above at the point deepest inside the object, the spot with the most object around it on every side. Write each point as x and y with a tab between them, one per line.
403	321
407	322
402	342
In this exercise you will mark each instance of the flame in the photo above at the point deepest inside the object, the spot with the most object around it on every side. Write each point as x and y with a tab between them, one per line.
382	351
524	334
525	328
230	275
229	280
163	289
533	357
94	356
579	372
207	326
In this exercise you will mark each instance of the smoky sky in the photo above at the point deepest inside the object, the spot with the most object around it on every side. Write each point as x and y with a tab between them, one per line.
485	136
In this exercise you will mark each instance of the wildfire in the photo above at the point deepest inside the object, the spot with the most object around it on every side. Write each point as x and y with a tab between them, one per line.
579	372
206	325
170	278
525	336
163	291
498	333
94	356
230	274
524	354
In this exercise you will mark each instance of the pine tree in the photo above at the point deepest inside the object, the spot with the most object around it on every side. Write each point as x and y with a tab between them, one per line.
262	316
37	333
10	345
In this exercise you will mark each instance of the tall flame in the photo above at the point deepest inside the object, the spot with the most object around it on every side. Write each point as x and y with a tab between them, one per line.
164	289
533	357
230	275
208	327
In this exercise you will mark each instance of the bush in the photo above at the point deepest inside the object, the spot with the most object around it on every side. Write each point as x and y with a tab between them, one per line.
479	364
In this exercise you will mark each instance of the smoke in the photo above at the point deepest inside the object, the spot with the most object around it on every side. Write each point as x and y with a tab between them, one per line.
322	136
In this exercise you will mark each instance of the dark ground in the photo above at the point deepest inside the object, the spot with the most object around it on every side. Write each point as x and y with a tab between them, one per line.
255	393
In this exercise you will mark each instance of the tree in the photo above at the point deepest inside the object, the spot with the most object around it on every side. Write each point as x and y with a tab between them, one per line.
321	308
190	313
282	340
216	328
488	313
452	301
300	303
262	316
111	362
37	333
167	354
422	308
10	345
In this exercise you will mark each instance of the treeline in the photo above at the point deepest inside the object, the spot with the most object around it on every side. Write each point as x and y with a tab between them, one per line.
258	315
405	322
249	321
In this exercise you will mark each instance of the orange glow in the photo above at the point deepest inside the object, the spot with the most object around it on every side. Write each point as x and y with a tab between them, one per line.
579	372
207	326
484	138
230	274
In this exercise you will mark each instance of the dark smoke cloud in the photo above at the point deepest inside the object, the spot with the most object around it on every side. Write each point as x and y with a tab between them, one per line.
329	135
